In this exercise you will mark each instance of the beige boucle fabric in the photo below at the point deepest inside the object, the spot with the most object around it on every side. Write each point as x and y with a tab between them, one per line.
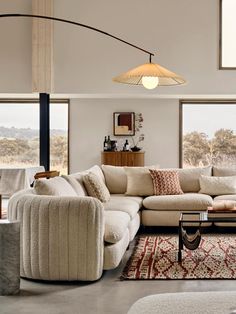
96	187
133	227
139	181
61	237
76	185
188	201
214	302
122	204
113	253
224	172
189	178
137	199
116	179
217	185
55	186
225	197
116	224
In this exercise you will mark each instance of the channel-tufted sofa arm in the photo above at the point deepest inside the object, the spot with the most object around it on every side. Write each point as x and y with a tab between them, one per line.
62	238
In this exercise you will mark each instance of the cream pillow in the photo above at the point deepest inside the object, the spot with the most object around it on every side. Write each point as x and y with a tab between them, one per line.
55	186
96	187
139	181
217	185
116	179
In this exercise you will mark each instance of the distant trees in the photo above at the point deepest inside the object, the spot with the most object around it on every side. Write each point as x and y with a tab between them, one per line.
25	151
198	150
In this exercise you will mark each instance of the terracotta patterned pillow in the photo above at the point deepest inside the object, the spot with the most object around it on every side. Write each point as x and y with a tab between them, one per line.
166	182
96	187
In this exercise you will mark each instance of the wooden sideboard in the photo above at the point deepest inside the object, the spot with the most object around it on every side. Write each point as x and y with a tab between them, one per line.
130	159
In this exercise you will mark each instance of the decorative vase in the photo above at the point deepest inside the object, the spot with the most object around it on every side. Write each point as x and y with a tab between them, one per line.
136	149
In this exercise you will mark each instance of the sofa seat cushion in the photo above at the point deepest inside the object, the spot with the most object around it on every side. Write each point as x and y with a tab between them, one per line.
116	224
137	199
122	204
188	201
230	197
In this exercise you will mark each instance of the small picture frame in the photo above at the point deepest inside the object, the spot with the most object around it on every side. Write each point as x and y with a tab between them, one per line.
124	123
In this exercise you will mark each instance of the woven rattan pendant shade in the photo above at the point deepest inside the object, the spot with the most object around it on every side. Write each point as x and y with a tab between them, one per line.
134	76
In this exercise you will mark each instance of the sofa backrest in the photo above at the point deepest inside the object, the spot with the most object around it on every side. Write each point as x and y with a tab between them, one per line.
224	171
189	178
116	179
79	177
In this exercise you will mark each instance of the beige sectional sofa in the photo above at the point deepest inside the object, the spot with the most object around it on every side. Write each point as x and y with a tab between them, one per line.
69	235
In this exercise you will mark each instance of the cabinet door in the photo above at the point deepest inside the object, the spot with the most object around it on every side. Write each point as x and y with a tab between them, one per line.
132	159
111	158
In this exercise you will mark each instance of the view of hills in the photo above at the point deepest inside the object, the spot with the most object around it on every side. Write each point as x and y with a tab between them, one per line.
26	133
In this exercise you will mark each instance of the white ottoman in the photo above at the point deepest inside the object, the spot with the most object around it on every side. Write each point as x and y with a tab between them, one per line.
9	257
220	302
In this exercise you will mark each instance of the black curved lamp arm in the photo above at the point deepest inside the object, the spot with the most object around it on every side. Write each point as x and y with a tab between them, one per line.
78	24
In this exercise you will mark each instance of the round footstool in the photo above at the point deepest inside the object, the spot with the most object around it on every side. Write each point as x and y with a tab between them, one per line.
9	257
220	302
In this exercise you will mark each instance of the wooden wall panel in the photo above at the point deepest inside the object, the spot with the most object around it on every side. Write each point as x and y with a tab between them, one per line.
42	48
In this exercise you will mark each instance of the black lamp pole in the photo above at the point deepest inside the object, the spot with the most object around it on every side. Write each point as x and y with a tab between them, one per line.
44	98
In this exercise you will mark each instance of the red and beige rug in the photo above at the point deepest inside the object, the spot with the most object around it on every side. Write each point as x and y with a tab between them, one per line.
155	257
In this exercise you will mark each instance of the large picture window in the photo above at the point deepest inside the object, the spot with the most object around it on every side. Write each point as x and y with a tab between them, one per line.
207	133
227	34
19	134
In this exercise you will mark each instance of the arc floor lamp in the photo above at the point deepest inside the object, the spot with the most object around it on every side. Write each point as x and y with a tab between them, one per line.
150	75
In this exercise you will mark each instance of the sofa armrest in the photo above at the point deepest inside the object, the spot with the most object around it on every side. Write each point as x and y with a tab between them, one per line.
62	238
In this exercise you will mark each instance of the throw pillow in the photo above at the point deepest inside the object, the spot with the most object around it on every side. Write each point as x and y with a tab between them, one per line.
217	185
55	186
166	182
96	187
139	181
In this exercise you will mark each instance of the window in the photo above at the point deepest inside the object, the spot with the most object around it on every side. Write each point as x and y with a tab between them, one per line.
227	34
19	134
59	136
207	133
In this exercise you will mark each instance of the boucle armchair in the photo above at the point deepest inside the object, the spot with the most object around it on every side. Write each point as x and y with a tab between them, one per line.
62	238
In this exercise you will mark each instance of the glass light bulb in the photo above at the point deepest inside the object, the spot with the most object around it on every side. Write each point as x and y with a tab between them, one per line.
150	82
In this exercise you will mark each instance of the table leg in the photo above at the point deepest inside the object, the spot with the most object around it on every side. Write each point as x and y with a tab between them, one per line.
180	243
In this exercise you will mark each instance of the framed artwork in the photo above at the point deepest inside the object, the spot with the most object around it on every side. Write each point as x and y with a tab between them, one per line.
124	123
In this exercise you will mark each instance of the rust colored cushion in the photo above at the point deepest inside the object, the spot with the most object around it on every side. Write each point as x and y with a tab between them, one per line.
166	182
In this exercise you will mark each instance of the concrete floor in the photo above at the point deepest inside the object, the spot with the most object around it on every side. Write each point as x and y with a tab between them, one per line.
108	295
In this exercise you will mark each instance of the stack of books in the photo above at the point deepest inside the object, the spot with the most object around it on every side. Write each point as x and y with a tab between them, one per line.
222	209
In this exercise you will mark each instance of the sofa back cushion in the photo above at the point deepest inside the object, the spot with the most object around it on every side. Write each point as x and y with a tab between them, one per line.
189	178
79	176
96	187
116	179
55	186
224	172
139	181
218	185
76	185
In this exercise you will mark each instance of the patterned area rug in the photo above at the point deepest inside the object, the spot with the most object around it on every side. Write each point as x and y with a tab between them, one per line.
155	257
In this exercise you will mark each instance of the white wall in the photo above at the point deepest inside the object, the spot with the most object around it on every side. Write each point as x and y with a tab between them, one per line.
15	51
184	34
92	119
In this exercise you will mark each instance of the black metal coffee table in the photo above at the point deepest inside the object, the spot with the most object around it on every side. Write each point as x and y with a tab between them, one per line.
196	219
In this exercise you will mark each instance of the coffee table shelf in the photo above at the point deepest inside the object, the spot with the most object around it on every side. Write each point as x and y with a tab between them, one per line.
196	219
